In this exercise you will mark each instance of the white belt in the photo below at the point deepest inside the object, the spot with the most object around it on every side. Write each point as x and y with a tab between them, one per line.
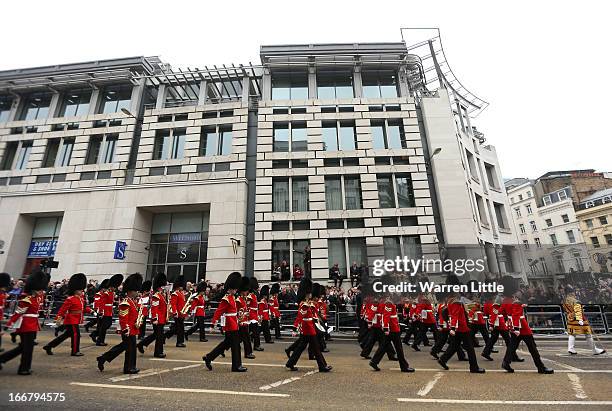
230	314
108	305
199	306
251	308
393	316
306	319
30	315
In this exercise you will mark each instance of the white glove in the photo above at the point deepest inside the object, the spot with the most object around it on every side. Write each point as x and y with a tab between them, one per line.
581	322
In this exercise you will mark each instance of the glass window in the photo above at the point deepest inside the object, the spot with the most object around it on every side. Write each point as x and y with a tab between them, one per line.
299	138
225	140
330	137
6	102
75	103
281	137
347	136
298	252
65	152
280	195
333	193
336	254
186	222
23	155
208	141
280	252
603	220
352	189
108	152
405	195
595	242
570	236
379	84
290	86
395	134
46	227
553	239
169	144
335	85
357	251
411	246
299	194
36	106
386	197
93	149
378	135
51	152
392	247
114	98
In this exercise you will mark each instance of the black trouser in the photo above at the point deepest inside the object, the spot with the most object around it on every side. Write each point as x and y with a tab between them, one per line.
157	336
275	324
99	334
482	329
455	344
143	328
377	336
412	330
25	348
391	339
494	337
71	331
300	345
442	338
127	344
363	329
321	341
91	323
421	336
231	341
265	328
254	330
178	329
198	324
531	346
245	339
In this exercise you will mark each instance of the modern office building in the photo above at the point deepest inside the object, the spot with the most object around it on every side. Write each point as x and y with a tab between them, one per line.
322	154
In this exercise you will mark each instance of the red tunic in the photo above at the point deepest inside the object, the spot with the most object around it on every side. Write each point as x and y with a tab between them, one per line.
323	309
516	317
442	323
128	314
424	311
2	303
253	308
456	315
143	303
390	321
25	317
198	306
159	308
177	303
228	312
476	315
496	318
274	307
97	305
243	311
304	320
72	310
264	310
107	301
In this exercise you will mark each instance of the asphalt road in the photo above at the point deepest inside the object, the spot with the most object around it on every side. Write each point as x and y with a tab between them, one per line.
182	382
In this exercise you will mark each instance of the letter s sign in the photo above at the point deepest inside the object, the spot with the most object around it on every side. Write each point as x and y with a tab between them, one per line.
120	247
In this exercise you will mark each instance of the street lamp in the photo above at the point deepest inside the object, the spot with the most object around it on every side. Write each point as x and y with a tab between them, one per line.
435	152
127	112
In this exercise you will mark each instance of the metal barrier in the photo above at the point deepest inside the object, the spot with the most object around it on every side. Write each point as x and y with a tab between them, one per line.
595	316
546	318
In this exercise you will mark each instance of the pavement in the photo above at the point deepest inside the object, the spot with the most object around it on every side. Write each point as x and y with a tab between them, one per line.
180	381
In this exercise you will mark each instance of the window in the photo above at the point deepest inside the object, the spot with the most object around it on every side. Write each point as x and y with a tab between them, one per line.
386	196
526	244
562	195
282	198
589	223
570	236
101	149
472	165
387	134
51	152
75	103
65	152
537	241
6	102
290	86
522	228
335	85
595	242
23	154
528	207
549	222
481	211
217	91
553	239
169	144
114	98
299	194
603	220
335	186
534	228
36	106
339	136
402	246
520	197
387	193
565	218
492	176
529	194
546	200
608	238
290	137
405	194
9	155
517	210
216	141
500	215
377	84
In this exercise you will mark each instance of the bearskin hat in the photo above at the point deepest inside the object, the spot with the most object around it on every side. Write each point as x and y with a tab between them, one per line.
245	284
254	284
146	286
316	290
5	280
233	281
103	284
304	288
510	285
264	292
115	281
159	281
133	283
275	289
77	282
180	282
201	287
36	281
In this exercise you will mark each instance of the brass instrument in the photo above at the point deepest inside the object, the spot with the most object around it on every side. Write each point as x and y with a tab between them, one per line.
169	307
140	317
187	305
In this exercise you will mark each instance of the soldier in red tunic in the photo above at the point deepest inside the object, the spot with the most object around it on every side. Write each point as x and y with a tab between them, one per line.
275	310
198	307
5	283
513	309
128	314
497	326
177	303
106	302
253	304
426	321
263	310
70	315
243	317
159	317
144	304
227	312
95	306
25	321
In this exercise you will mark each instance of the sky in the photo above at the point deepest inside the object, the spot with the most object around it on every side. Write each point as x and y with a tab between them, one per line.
542	65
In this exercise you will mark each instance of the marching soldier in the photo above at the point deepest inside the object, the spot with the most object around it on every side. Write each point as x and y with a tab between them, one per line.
263	310
70	315
577	324
324	311
159	317
442	332
520	330
128	315
5	283
391	328
497	326
374	318
143	307
458	330
275	310
243	317
198	307
227	312
409	313
426	321
304	324
253	304
96	307
25	321
177	305
107	301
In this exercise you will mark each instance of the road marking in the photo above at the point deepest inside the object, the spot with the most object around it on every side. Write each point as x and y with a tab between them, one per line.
528	402
425	390
151	372
577	386
170	389
287	381
229	363
560	364
587	356
516	371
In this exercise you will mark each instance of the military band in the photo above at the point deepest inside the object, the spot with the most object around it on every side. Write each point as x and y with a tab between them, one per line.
159	317
198	309
107	301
